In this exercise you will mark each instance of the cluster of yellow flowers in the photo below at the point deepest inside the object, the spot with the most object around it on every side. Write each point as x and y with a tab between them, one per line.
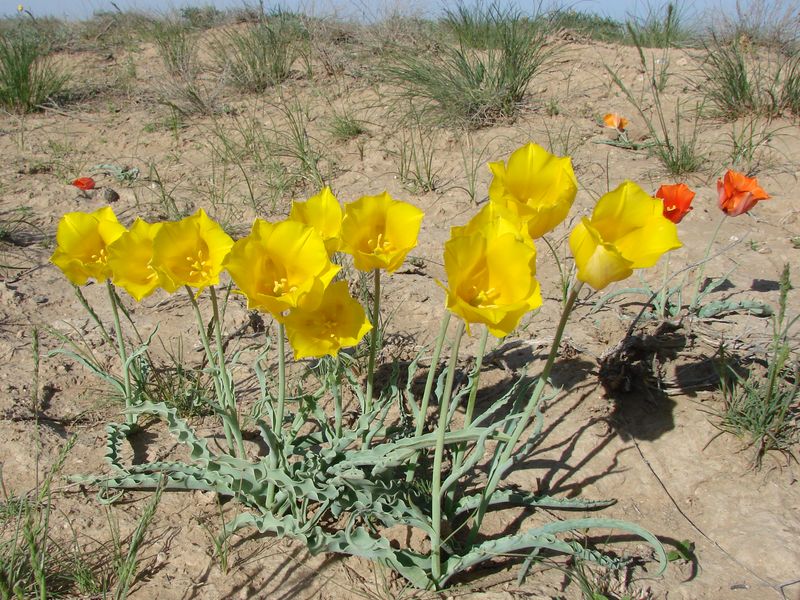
491	262
285	268
282	268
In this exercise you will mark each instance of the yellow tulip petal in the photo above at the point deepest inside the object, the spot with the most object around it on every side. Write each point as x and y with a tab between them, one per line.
511	265
598	263
494	219
322	212
129	258
644	246
623	210
339	321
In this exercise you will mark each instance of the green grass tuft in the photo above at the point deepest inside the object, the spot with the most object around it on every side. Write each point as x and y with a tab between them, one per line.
474	88
28	77
261	55
764	404
739	81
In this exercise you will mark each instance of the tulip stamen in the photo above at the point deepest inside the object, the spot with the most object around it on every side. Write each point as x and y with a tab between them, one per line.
198	265
330	326
100	258
484	297
281	286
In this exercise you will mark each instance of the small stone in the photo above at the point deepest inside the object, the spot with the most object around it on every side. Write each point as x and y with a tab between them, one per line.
40	299
110	195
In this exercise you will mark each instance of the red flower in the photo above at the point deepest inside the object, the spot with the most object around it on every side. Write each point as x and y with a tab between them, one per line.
738	193
677	200
84	183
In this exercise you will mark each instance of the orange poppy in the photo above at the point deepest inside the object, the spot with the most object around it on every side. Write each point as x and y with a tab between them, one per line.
614	120
738	193
84	183
677	200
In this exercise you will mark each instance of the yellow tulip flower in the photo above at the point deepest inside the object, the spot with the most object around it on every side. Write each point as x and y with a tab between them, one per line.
129	259
536	186
628	230
323	213
491	279
190	252
281	266
337	322
83	240
379	231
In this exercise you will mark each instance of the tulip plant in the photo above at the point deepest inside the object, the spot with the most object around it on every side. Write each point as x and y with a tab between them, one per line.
340	486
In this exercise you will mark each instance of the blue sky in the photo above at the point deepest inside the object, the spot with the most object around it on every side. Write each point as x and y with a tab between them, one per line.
371	9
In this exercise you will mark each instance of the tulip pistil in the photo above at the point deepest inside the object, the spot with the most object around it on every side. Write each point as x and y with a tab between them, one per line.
381	245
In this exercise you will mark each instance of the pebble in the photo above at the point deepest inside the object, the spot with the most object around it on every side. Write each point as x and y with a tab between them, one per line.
40	299
110	195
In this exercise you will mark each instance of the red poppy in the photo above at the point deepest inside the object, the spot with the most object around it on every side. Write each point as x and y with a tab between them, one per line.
677	200
738	193
84	183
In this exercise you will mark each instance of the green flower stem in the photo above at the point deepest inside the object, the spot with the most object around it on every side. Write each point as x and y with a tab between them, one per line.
505	450
219	393
664	295
337	402
701	273
426	396
123	353
436	482
561	274
229	402
373	341
277	424
474	380
473	391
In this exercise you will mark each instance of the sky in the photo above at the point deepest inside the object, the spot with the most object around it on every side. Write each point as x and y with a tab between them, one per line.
368	9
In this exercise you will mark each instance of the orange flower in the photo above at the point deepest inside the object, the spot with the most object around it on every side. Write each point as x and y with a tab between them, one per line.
738	193
677	200
614	120
84	183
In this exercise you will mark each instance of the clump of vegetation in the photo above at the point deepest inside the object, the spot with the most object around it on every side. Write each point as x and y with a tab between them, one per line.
344	126
261	55
202	17
744	80
655	30
594	26
28	76
764	404
479	25
176	47
464	86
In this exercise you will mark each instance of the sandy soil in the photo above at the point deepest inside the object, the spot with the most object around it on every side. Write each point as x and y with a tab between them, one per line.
653	447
